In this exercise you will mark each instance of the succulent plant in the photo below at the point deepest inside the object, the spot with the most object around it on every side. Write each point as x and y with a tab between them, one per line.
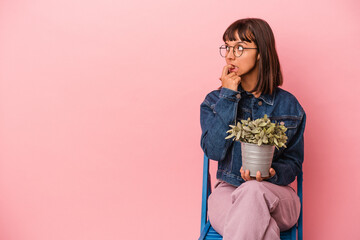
259	131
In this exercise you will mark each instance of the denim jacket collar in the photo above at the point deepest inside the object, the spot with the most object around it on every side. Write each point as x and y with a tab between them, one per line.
267	98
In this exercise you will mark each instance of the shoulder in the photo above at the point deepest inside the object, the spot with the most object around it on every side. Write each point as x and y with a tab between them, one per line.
287	102
281	93
212	97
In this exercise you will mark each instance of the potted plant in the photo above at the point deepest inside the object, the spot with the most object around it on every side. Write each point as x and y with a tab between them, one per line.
258	139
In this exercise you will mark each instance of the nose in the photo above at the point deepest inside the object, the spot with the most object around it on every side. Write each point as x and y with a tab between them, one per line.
230	55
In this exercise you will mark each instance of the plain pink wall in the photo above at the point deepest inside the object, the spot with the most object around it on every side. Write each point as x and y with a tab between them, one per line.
100	113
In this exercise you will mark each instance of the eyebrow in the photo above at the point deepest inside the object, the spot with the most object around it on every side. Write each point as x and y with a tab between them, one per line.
236	42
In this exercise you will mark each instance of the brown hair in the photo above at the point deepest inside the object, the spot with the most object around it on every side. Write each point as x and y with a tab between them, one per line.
258	31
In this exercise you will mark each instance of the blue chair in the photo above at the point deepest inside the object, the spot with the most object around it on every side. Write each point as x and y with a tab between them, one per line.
208	233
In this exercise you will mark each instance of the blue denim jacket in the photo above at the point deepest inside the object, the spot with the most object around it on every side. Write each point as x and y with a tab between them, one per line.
223	107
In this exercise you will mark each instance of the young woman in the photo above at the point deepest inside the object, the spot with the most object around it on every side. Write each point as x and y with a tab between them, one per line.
240	206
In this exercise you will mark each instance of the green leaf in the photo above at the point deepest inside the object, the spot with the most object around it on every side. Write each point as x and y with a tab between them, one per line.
238	135
246	128
262	124
262	133
270	130
256	130
230	136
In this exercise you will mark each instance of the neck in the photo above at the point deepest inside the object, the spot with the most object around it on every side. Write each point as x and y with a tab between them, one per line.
249	81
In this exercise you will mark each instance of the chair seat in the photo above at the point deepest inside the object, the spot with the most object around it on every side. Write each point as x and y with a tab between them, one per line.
213	235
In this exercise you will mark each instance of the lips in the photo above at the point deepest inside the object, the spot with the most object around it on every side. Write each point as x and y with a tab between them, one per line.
233	68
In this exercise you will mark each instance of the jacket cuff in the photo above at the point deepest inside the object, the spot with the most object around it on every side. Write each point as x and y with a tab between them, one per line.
229	93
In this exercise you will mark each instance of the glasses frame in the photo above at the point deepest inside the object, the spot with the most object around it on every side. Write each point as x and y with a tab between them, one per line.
224	47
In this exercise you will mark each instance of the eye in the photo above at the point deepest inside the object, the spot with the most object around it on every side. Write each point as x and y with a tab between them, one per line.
239	47
227	48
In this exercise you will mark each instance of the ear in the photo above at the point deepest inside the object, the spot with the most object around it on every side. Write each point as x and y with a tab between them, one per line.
258	56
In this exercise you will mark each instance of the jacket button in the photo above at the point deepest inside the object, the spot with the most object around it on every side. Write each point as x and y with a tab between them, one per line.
260	103
238	95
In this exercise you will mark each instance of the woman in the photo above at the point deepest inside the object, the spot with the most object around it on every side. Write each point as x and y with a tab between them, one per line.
240	206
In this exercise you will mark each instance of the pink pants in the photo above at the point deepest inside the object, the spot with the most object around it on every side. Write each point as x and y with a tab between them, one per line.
254	210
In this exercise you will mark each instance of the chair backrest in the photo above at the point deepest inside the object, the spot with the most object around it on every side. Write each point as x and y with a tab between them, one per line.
206	191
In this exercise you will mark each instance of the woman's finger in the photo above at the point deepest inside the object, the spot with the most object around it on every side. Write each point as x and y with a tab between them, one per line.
258	176
235	78
238	79
225	70
230	75
227	76
272	172
247	175
242	173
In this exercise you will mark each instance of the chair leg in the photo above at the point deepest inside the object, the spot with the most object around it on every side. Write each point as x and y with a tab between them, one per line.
205	231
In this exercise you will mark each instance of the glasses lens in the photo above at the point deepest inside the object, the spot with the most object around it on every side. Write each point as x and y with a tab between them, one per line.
223	51
238	50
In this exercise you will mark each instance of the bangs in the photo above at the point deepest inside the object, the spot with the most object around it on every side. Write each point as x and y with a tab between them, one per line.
243	30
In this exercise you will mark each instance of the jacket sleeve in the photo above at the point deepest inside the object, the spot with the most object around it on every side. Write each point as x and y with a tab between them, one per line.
215	120
289	164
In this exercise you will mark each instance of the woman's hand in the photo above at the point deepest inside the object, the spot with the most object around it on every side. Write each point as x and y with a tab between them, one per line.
229	80
246	175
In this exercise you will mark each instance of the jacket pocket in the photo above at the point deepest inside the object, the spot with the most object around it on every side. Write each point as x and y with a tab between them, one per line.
290	122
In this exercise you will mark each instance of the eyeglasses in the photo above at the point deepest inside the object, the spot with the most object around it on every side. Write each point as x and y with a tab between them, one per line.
237	50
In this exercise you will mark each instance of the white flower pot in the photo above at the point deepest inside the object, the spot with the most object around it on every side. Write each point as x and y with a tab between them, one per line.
257	158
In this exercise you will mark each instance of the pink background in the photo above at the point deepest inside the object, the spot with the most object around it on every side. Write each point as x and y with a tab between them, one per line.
100	113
